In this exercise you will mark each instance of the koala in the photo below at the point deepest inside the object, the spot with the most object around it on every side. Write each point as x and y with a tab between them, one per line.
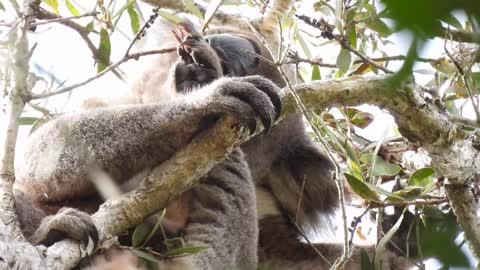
248	209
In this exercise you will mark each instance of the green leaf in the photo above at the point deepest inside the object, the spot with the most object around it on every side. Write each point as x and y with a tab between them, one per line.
170	17
304	45
140	234
316	73
383	168
27	121
123	8
104	50
158	224
145	255
89	27
378	26
40	122
422	177
354	169
2	7
365	260
173	243
352	36
382	244
72	8
53	4
134	19
193	8
185	250
360	188
451	20
343	60
476	78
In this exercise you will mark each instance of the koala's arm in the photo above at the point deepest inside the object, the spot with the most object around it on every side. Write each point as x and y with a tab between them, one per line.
126	140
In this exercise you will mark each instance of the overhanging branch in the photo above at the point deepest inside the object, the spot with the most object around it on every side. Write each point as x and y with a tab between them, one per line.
418	121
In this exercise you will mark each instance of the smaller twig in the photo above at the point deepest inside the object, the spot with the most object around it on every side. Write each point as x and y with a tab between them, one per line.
327	32
356	220
62	19
305	237
105	71
299	203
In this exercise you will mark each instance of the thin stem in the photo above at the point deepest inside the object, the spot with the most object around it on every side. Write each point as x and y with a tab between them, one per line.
105	71
63	19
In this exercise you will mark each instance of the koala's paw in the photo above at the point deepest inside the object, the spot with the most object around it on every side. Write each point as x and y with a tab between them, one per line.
248	98
67	223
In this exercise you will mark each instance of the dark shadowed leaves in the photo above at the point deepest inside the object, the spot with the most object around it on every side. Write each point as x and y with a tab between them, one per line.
360	188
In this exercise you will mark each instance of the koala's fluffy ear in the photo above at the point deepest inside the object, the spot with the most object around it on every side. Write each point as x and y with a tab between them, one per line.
238	55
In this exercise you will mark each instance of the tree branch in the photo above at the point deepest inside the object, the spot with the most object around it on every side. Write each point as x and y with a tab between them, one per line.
105	71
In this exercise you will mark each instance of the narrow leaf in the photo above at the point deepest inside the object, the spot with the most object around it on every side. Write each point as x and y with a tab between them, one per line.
378	26
104	50
343	60
123	8
352	36
89	27
382	245
304	45
72	8
360	188
134	19
28	121
365	260
145	255
170	17
193	8
2	7
140	234
316	73
53	4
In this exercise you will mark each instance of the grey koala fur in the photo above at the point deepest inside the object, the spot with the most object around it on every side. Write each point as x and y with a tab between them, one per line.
291	176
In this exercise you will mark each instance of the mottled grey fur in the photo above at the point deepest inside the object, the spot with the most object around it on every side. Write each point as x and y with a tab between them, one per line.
292	177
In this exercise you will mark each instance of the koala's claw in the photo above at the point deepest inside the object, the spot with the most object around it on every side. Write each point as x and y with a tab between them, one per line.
250	98
67	223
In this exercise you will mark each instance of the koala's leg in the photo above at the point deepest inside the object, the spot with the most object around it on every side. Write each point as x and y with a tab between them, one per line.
223	217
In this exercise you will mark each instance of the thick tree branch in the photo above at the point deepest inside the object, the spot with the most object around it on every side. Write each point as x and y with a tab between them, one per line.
16	252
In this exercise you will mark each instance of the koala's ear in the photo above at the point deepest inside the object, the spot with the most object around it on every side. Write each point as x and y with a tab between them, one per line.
237	54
